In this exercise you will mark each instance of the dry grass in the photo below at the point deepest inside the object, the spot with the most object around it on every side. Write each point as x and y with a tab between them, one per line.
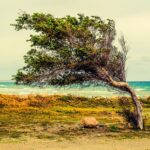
54	117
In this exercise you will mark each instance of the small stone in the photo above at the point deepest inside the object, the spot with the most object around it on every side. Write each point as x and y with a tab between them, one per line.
89	122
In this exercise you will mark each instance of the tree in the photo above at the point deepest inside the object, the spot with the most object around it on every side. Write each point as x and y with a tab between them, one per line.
74	50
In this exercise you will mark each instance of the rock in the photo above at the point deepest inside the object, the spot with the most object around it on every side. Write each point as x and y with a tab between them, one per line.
89	122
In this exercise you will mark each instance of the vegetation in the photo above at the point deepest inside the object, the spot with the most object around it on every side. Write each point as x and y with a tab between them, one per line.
74	50
59	117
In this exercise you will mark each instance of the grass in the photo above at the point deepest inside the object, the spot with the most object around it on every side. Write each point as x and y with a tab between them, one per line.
59	116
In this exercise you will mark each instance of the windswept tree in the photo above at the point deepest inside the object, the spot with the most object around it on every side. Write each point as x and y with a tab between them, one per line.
74	50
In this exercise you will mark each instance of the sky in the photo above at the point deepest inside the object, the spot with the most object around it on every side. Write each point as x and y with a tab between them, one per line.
132	18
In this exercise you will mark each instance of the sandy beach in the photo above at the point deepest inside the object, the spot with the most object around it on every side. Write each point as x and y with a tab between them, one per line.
79	144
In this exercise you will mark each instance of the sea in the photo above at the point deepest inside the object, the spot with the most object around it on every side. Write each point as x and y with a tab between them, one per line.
142	89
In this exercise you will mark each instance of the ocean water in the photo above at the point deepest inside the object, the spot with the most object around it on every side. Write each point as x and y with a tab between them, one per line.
142	89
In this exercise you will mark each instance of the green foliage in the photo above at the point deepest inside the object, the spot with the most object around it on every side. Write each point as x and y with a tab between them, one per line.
113	128
69	49
66	98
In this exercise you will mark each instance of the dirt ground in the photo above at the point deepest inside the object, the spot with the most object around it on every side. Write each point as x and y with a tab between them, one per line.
78	144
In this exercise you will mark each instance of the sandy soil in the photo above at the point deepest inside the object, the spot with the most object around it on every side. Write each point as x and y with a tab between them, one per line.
78	144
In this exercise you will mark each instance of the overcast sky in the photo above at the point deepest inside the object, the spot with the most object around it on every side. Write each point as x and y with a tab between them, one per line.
132	18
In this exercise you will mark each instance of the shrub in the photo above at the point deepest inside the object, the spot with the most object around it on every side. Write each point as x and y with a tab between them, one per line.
66	98
2	104
113	128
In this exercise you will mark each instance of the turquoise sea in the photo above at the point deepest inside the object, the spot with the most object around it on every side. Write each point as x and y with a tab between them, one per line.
142	89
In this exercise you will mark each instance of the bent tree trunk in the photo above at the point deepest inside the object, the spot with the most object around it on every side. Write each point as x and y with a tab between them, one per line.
126	88
138	108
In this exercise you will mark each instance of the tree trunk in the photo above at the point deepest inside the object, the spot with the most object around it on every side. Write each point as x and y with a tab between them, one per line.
103	75
138	108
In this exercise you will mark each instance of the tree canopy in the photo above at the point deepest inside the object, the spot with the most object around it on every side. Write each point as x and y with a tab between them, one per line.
69	49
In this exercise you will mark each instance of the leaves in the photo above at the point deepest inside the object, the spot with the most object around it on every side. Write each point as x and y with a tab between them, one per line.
69	49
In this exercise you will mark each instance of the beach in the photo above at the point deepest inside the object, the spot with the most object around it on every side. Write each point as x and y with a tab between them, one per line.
75	75
79	144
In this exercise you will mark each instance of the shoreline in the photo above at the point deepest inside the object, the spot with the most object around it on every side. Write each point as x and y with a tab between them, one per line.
142	90
62	94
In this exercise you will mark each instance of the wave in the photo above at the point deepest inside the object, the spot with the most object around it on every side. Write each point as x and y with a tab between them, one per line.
1	85
139	89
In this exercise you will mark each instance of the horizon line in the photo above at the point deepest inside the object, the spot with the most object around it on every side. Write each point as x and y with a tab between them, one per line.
126	81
